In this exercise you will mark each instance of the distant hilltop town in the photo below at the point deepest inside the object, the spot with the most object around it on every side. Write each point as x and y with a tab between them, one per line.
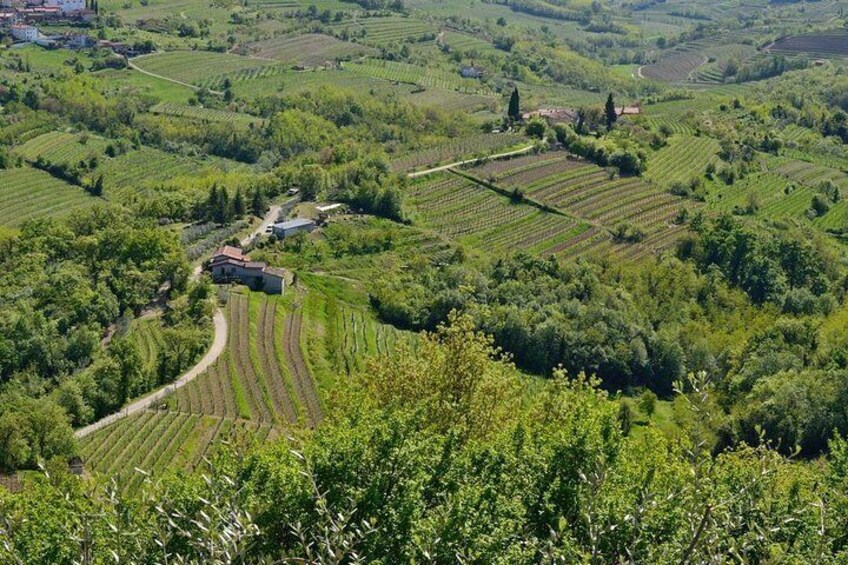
20	17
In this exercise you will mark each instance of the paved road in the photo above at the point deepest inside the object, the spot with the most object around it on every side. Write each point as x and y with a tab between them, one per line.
469	161
218	345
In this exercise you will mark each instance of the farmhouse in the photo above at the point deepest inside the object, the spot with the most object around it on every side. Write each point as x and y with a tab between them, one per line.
471	71
229	264
555	115
628	110
23	32
291	227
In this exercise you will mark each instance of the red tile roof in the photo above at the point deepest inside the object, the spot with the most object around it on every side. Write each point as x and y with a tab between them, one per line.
230	252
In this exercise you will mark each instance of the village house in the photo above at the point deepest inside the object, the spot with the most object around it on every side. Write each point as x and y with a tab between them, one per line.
24	32
66	6
229	264
553	115
471	71
291	227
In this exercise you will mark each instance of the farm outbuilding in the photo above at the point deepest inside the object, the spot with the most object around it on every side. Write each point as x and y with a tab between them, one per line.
292	227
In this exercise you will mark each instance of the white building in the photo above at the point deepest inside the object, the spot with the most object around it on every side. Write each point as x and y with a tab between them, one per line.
66	6
23	32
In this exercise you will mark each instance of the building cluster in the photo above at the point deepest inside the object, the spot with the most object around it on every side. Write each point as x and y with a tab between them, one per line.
567	115
20	18
231	265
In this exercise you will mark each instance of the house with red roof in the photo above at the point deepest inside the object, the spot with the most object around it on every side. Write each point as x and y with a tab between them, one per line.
229	264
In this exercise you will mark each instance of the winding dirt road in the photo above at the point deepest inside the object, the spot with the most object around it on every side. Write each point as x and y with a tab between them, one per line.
219	344
469	161
135	67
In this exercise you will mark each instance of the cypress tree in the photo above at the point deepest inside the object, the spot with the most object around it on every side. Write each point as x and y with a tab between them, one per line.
212	202
257	203
609	111
514	111
239	206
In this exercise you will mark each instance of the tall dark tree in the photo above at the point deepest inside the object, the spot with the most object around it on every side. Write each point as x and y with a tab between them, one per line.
258	205
514	111
610	112
212	201
239	205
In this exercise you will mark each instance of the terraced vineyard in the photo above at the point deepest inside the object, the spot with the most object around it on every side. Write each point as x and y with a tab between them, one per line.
201	68
806	173
257	378
457	149
202	114
384	31
125	176
824	44
684	158
411	74
30	194
151	442
587	192
461	209
309	49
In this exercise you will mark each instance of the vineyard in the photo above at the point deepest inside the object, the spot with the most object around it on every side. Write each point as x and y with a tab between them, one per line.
262	384
824	44
684	158
466	44
125	176
412	74
310	49
457	149
151	442
381	32
146	335
29	194
201	68
460	209
256	379
590	193
202	114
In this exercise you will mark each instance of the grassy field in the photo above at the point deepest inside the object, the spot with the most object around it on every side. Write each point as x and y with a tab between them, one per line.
30	194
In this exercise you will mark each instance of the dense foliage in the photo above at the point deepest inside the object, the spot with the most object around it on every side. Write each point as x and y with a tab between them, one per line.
442	456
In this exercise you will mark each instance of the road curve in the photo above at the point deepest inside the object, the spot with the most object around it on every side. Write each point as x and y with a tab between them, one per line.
469	161
135	67
219	343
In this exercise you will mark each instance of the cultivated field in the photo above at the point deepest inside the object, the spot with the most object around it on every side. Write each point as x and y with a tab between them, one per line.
203	68
456	150
463	210
381	32
590	193
684	158
824	44
202	114
30	194
125	176
310	49
412	74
